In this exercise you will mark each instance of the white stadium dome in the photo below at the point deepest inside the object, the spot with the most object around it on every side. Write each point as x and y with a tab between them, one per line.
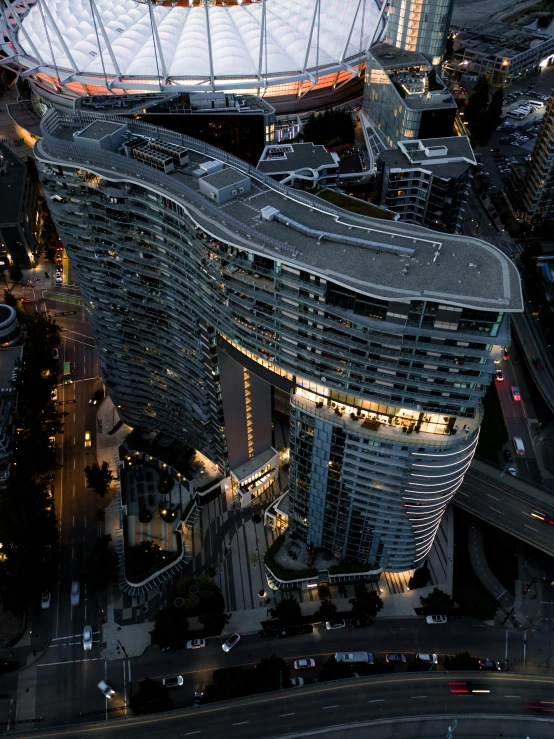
274	48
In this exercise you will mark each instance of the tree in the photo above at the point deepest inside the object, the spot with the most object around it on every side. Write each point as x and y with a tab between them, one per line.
165	483
323	592
494	111
365	604
142	557
101	566
420	578
326	611
170	628
287	611
461	661
477	104
152	697
333	670
437	602
15	272
418	665
10	299
99	478
333	127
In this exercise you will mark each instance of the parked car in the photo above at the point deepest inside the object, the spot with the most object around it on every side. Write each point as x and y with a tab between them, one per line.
396	657
436	619
105	689
196	643
339	624
175	681
267	634
45	599
304	664
431	658
294	631
75	592
359	623
87	638
489	665
297	682
197	700
231	642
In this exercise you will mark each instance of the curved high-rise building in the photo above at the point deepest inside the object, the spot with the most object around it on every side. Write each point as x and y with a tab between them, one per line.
211	288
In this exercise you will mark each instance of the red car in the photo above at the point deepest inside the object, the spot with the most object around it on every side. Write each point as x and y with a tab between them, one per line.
543	706
543	517
26	300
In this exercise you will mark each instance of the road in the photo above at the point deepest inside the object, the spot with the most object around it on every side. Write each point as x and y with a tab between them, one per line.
507	507
317	709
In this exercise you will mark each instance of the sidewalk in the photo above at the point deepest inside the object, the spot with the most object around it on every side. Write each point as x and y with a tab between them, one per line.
32	645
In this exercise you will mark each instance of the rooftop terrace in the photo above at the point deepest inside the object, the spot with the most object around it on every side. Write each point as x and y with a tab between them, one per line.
388	260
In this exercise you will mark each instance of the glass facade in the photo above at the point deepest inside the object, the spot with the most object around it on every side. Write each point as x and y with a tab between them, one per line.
386	394
420	25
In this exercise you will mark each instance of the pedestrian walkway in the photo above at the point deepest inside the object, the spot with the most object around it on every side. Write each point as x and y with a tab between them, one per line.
479	563
32	644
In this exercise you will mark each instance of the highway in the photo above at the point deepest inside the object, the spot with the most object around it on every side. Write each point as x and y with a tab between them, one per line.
507	502
534	346
318	708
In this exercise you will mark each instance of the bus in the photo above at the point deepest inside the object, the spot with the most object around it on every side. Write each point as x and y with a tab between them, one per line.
67	373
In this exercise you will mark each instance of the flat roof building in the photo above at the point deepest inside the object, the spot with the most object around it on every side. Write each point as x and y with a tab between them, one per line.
404	98
427	181
18	210
300	163
420	25
500	52
381	335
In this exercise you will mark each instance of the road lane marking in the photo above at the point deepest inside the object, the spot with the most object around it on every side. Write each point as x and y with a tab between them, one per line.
71	636
462	493
282	715
419	696
68	662
495	509
326	707
492	496
377	700
532	529
189	733
512	696
240	723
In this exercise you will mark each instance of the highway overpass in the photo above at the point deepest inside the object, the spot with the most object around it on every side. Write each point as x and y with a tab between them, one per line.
534	346
507	502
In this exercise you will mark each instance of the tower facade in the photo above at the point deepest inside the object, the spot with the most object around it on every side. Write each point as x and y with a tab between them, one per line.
420	25
538	185
208	284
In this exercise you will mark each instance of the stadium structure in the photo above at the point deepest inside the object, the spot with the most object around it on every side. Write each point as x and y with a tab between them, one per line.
293	52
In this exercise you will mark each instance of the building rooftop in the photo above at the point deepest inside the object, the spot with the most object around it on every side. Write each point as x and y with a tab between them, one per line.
391	58
224	178
281	158
8	357
13	176
387	260
99	129
501	40
446	157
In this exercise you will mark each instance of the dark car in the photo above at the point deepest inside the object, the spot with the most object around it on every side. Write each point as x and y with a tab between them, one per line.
96	397
465	687
359	623
294	631
197	700
507	454
538	364
267	634
489	665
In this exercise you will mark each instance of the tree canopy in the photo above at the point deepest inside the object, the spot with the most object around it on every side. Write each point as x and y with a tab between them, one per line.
331	128
287	611
101	566
365	604
437	603
151	697
171	628
99	478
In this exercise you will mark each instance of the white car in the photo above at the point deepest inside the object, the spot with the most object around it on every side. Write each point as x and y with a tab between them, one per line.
432	659
436	619
196	644
105	689
339	624
297	682
45	599
87	638
231	642
304	664
175	681
75	592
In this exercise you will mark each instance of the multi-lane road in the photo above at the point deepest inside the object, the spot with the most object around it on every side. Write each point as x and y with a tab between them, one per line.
411	701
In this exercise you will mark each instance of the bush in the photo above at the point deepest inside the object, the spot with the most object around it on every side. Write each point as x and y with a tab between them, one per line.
420	578
437	603
170	628
287	611
326	611
461	661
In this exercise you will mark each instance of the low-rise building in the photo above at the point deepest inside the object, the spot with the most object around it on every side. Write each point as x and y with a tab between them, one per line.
300	163
500	52
427	181
404	98
18	211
